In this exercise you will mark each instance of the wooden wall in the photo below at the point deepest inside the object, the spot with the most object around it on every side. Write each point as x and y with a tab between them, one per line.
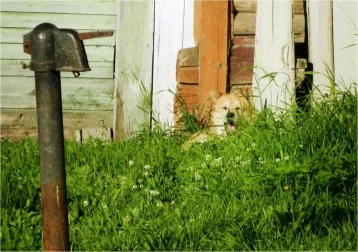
240	46
88	99
204	67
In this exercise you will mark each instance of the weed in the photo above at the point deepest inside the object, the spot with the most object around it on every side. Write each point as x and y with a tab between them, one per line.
280	183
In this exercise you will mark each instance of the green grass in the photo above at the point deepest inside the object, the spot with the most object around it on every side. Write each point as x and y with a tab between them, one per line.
285	182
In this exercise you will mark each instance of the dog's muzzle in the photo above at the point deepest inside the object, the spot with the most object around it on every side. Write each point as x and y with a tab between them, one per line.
230	121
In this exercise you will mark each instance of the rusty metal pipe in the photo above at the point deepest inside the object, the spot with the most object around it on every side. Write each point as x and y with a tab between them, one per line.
53	175
53	50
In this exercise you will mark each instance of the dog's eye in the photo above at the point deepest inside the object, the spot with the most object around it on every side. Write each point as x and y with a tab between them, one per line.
225	108
237	108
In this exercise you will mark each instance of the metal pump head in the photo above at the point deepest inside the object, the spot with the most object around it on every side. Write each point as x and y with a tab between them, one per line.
58	49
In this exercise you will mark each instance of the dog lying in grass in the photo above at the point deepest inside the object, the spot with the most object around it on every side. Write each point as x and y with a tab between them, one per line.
228	110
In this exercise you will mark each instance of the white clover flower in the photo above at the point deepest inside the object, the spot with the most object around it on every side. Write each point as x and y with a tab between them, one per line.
245	162
146	173
253	145
85	203
123	180
203	165
172	202
134	186
301	146
197	176
287	158
127	219
207	157
159	203
248	149
140	186
154	192
278	160
131	162
147	167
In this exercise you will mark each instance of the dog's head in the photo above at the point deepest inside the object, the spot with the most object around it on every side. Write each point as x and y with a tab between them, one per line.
229	108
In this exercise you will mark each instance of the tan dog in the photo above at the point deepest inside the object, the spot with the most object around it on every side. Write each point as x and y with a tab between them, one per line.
228	110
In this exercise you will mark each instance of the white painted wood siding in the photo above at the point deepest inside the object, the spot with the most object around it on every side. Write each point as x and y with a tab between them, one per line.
173	31
91	92
274	54
134	66
345	41
320	44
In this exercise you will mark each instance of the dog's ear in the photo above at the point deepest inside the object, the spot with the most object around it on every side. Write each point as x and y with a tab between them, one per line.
245	91
215	95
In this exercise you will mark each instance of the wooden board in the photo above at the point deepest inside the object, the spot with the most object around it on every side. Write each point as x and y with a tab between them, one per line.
102	70
245	24
77	93
186	100
94	53
189	75
345	41
106	7
15	36
249	6
274	54
320	44
17	123
170	30
133	66
73	21
213	49
188	57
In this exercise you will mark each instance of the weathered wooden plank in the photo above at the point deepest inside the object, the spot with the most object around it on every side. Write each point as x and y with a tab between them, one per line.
103	70
94	53
213	50
345	41
188	57
320	44
189	94
185	100
189	75
106	7
73	21
245	24
15	36
274	31
77	93
242	59
18	123
168	39
197	23
188	27
249	6
134	66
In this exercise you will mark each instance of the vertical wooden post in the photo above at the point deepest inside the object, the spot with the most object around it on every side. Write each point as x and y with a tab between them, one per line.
133	66
274	54
213	47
